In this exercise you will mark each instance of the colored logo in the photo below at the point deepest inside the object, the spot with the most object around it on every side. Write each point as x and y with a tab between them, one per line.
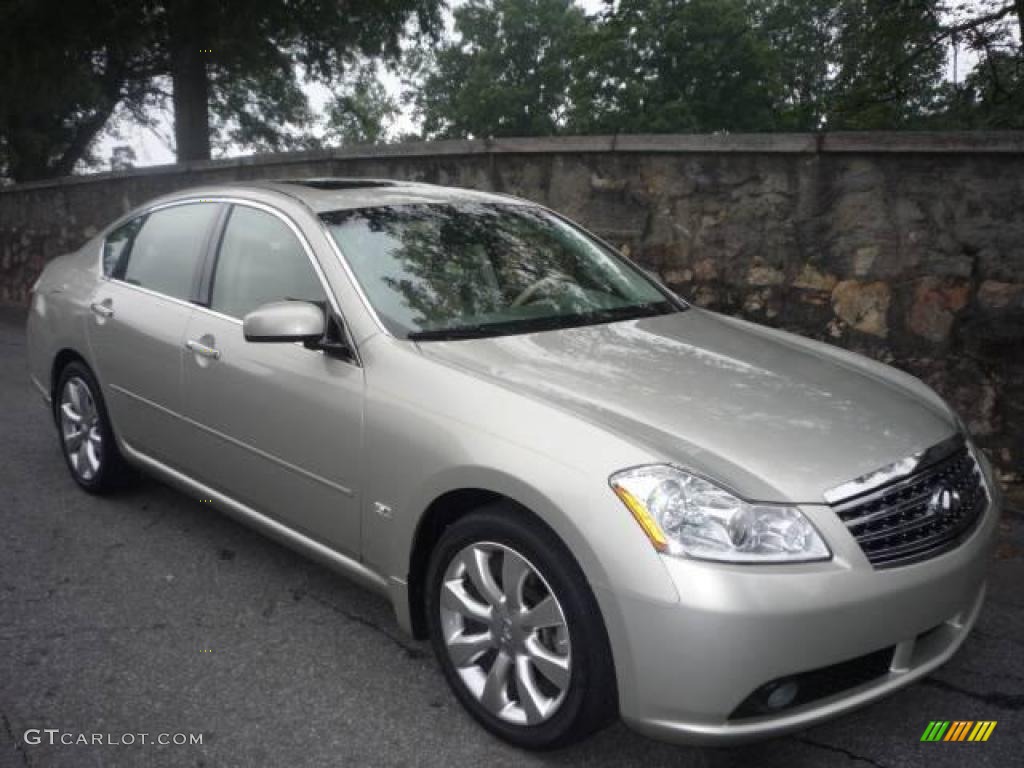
958	730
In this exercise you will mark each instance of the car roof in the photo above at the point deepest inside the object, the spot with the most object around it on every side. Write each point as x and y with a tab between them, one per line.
324	194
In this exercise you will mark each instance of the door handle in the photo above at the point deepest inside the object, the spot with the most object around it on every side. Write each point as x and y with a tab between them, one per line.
202	350
102	308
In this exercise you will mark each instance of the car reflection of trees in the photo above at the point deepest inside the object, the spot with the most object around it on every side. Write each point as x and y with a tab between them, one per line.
471	260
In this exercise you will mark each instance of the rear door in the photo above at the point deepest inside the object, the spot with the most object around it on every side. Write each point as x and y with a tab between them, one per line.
276	426
140	311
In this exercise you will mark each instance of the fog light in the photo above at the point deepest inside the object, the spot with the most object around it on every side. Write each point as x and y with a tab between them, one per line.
782	694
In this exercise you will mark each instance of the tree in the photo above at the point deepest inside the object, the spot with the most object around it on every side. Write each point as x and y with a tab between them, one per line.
723	65
892	57
992	96
65	68
802	37
992	93
360	110
241	56
122	158
507	73
678	65
888	72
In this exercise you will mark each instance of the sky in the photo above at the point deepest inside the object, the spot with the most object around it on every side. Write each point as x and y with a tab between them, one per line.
153	145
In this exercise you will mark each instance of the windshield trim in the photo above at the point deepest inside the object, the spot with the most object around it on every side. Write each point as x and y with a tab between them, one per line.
672	301
541	324
676	301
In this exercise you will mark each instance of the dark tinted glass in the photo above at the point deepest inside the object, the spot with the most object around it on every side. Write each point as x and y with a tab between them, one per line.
116	247
168	248
261	261
482	269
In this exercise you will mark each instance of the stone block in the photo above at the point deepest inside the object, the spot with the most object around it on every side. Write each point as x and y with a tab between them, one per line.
863	306
935	304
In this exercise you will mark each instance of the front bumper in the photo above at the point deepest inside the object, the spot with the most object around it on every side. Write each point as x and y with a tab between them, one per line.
684	669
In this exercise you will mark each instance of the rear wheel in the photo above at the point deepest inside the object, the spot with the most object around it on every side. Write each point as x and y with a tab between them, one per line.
517	630
85	433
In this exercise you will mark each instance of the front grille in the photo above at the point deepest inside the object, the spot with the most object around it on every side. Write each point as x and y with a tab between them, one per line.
920	516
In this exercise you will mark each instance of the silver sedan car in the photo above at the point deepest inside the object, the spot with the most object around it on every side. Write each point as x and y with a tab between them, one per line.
594	499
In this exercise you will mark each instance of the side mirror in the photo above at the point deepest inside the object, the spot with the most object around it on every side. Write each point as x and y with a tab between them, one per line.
282	321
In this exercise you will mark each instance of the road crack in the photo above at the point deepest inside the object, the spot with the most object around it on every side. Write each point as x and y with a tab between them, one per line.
838	750
17	744
410	650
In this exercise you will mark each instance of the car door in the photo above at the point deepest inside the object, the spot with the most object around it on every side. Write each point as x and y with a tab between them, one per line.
140	311
276	426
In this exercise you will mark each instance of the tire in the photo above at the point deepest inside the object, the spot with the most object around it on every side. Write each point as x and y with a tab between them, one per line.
91	451
556	683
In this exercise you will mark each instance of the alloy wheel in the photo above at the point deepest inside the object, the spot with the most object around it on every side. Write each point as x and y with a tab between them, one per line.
80	428
505	633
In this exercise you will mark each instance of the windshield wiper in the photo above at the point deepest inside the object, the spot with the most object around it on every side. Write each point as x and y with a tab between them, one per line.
447	334
537	324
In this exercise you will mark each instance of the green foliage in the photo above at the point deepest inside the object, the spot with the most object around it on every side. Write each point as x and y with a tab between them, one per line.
992	94
65	68
255	46
506	74
536	67
668	65
514	68
360	111
801	36
888	75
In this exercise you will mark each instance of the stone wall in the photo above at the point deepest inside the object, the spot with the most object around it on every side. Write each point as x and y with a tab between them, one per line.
906	247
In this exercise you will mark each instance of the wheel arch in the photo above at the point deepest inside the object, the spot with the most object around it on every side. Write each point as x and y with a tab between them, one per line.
440	513
452	504
64	356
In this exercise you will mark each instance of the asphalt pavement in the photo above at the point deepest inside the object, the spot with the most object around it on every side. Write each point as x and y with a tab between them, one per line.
150	613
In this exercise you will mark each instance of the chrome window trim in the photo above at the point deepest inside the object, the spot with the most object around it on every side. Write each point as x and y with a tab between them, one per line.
218	315
352	276
895	471
229	200
670	295
150	292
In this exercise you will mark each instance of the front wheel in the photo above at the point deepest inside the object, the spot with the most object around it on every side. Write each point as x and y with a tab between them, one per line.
517	630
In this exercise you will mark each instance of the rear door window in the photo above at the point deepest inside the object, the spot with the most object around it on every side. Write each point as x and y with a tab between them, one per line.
167	250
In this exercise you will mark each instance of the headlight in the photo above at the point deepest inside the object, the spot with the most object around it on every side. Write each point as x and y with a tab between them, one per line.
683	514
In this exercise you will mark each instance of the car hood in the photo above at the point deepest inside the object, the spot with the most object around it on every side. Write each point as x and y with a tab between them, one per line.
773	416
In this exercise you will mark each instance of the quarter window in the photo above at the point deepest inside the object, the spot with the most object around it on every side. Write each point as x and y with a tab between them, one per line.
117	246
261	261
168	248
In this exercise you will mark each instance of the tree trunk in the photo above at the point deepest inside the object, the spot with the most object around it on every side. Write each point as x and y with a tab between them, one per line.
1020	21
82	140
31	159
191	87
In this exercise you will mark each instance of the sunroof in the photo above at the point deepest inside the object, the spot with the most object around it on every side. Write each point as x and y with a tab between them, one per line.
340	183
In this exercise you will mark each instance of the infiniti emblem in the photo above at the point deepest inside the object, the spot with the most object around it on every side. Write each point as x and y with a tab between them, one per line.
944	501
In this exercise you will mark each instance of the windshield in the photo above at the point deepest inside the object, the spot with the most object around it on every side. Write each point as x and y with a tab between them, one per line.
445	271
